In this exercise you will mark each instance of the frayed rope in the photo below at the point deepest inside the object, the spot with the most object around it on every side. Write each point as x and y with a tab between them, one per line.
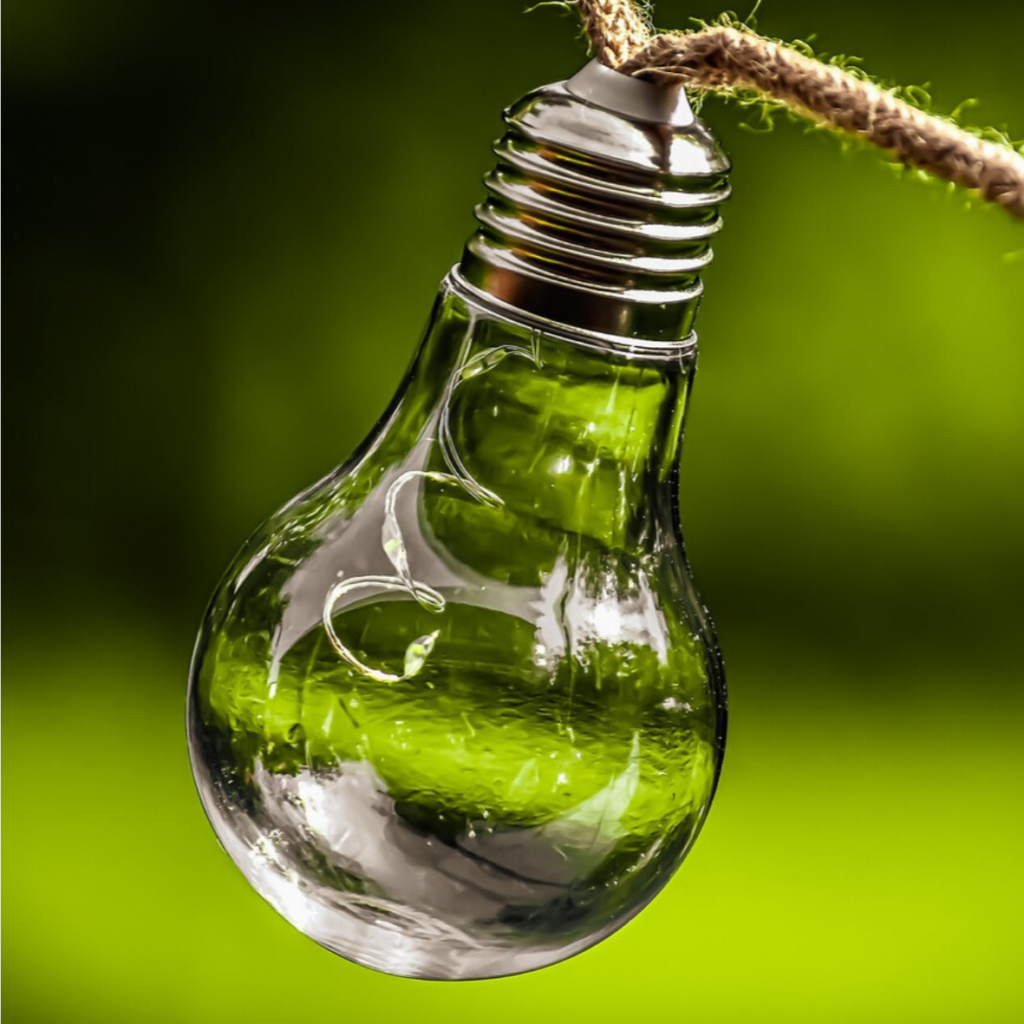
729	58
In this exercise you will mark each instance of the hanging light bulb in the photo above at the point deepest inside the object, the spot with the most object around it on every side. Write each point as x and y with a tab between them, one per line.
457	711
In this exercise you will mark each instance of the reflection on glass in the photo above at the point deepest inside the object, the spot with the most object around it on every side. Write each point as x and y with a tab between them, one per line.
457	711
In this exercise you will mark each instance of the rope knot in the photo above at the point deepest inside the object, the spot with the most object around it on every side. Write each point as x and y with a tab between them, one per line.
723	58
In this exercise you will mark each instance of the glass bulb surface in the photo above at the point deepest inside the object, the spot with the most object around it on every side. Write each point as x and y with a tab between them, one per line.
457	711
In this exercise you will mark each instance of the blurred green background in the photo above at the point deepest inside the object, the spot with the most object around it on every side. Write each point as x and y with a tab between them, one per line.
225	226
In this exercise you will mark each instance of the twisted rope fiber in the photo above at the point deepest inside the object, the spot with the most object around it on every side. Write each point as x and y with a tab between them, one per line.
616	29
724	59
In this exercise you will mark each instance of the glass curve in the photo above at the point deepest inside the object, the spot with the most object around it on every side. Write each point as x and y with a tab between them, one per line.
457	710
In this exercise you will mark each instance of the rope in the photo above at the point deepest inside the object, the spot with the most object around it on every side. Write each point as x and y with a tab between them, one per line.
725	59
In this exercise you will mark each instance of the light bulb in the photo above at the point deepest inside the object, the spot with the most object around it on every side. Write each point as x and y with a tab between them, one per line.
457	711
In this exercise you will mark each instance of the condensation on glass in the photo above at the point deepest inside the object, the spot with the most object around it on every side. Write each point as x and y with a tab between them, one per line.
457	710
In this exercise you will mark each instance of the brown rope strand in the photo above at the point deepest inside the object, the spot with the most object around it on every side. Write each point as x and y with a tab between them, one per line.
616	29
724	59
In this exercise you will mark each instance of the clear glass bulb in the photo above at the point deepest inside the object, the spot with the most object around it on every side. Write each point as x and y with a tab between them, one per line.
457	710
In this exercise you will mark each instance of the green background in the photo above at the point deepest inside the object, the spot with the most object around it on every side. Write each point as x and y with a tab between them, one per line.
225	226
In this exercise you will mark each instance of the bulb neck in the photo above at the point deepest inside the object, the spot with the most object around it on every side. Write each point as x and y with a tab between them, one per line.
554	428
601	209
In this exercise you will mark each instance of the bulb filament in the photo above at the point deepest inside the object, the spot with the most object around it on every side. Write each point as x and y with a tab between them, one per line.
392	541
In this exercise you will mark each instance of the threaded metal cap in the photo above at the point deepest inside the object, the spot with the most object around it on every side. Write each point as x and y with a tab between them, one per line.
601	209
